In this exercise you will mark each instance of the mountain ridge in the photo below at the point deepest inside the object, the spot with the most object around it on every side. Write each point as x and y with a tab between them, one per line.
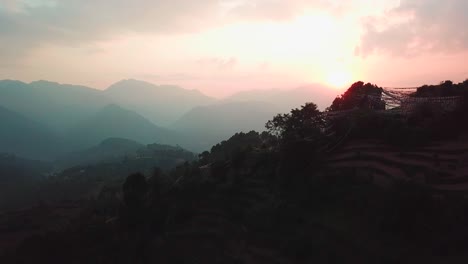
116	121
172	110
27	138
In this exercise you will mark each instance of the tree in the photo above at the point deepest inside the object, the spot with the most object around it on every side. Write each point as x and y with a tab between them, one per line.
135	190
238	143
298	124
359	95
204	158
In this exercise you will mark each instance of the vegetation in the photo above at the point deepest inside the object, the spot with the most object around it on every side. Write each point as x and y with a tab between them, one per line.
359	95
314	188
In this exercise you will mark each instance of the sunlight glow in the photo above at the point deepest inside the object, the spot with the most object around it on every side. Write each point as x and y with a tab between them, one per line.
311	48
339	79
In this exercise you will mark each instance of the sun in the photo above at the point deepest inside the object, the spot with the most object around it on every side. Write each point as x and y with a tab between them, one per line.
339	79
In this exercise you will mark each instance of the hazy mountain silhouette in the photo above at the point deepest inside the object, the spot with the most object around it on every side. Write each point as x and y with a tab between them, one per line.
245	111
286	100
57	105
115	121
62	106
22	136
160	104
79	113
110	149
208	125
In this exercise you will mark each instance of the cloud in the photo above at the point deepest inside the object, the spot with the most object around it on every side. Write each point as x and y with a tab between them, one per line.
274	10
416	27
11	5
26	24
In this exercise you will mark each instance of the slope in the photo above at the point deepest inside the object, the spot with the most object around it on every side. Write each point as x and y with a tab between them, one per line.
108	150
160	104
24	137
112	121
58	106
210	124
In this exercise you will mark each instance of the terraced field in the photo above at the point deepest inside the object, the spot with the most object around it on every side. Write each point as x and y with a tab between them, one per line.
441	165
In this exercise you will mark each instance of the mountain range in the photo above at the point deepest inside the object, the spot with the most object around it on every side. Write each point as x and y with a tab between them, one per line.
45	120
162	105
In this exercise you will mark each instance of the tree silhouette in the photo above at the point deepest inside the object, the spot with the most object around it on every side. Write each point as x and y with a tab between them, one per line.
135	190
359	95
298	124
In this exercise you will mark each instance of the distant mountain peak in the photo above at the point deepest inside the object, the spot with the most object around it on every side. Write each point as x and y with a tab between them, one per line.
44	82
112	107
9	82
130	83
162	104
114	121
133	84
119	113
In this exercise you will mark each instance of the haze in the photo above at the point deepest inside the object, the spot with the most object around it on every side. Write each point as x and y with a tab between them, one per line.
222	47
234	131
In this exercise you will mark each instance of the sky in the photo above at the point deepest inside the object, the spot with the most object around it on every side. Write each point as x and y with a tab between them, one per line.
223	46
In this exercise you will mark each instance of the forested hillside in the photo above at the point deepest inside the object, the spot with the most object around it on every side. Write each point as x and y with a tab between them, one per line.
357	183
